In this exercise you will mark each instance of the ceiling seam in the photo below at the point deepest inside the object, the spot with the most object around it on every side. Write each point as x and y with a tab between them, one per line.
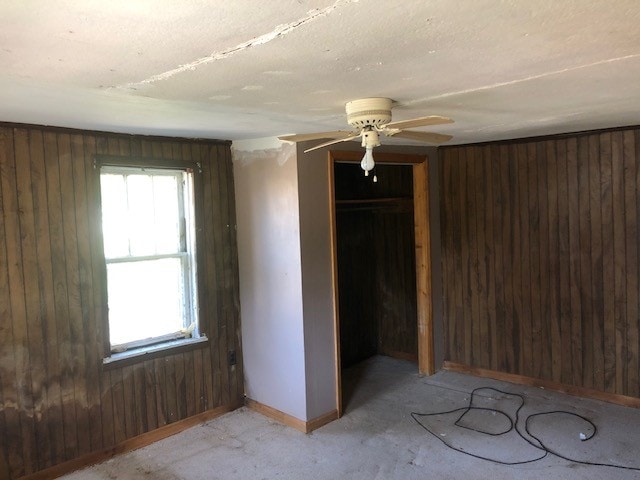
519	80
279	31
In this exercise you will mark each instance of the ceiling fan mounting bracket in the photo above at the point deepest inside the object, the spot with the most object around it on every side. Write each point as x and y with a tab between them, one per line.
373	112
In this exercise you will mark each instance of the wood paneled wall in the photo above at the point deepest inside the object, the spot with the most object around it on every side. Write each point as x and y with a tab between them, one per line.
356	286
58	401
376	263
540	258
396	281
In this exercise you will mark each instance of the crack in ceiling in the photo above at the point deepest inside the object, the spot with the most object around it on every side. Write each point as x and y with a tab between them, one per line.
520	80
279	31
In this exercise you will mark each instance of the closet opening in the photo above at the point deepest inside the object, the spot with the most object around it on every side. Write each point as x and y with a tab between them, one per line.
381	283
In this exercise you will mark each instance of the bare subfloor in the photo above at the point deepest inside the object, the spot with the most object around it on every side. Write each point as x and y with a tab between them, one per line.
378	439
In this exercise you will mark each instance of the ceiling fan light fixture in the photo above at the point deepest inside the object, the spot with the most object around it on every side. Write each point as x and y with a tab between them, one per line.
367	162
370	117
370	139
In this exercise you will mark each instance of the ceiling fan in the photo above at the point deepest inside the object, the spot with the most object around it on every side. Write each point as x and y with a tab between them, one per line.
371	117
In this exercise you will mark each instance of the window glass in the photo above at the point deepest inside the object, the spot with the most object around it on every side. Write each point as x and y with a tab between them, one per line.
138	291
148	232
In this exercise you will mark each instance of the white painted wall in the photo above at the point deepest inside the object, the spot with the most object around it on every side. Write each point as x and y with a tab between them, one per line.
266	190
317	286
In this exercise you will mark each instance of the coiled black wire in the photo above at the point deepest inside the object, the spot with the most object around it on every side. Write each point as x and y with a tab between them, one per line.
514	423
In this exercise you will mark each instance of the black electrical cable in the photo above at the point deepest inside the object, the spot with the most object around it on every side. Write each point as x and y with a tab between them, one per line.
514	426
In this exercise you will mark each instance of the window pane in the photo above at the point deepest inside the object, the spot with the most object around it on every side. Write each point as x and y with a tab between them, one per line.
146	299
167	214
114	219
141	214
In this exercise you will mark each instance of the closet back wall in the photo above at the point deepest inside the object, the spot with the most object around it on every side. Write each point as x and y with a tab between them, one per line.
540	257
57	400
376	263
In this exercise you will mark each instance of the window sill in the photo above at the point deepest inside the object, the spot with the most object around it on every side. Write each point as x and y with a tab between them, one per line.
142	354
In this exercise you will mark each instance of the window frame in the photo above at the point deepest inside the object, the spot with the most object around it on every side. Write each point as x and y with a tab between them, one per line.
171	344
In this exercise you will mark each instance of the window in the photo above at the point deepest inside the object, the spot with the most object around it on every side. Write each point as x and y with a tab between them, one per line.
148	230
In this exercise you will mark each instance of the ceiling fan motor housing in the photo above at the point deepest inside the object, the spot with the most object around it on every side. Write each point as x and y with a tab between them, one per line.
365	112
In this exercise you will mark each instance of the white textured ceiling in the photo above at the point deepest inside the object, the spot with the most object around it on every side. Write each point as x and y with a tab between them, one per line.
246	69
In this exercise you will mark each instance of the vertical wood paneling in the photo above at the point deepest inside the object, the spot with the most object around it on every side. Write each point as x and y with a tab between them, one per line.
586	278
631	227
139	396
554	338
214	264
574	262
484	316
506	180
20	436
223	230
564	324
545	283
446	227
608	267
489	256
357	284
515	267
58	401
233	289
597	286
170	389
149	393
74	154
535	352
473	279
540	244
50	401
465	272
95	300
14	203
525	261
619	260
11	445
90	420
34	379
456	337
496	240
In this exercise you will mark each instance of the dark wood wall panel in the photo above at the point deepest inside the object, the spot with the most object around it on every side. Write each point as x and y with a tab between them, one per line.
376	263
396	282
57	400
540	258
357	286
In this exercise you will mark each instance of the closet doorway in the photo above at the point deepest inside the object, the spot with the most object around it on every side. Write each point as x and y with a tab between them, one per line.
381	261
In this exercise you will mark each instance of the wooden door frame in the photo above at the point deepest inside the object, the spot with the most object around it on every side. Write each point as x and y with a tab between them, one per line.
426	361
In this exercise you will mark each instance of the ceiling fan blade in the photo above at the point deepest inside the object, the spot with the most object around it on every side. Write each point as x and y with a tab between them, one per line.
332	142
316	136
427	137
419	122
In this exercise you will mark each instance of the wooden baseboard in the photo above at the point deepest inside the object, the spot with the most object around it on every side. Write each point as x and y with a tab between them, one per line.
289	420
410	357
128	445
546	384
321	421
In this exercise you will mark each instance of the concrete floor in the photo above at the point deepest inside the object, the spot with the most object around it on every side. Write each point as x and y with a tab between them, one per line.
377	438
